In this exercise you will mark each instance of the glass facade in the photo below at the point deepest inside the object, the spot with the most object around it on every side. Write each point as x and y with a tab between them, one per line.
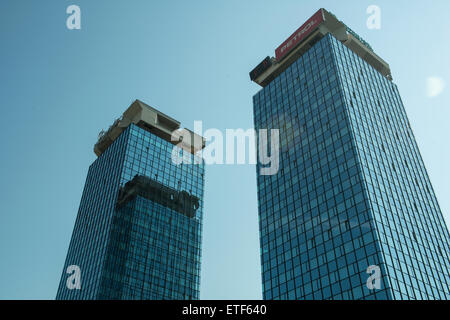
352	190
138	231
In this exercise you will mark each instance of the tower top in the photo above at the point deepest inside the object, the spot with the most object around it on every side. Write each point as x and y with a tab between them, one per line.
314	29
153	121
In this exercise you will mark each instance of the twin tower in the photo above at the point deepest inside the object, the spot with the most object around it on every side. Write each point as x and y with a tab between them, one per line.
350	214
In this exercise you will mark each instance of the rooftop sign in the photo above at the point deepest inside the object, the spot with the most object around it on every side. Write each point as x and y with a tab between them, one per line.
305	30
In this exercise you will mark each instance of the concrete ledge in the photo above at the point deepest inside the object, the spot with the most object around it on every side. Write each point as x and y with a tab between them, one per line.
152	121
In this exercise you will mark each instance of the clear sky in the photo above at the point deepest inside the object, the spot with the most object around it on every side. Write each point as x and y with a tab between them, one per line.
189	59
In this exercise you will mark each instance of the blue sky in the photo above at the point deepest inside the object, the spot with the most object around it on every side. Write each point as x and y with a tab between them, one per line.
189	59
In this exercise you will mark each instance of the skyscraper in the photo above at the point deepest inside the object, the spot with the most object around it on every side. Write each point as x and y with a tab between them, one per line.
352	202
138	230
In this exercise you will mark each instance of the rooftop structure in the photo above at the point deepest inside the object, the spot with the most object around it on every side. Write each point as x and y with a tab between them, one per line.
153	121
319	25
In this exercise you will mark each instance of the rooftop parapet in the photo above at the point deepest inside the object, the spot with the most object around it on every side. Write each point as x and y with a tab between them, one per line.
152	121
319	25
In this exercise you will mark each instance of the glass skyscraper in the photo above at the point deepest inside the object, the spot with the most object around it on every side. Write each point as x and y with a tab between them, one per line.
138	231
352	191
